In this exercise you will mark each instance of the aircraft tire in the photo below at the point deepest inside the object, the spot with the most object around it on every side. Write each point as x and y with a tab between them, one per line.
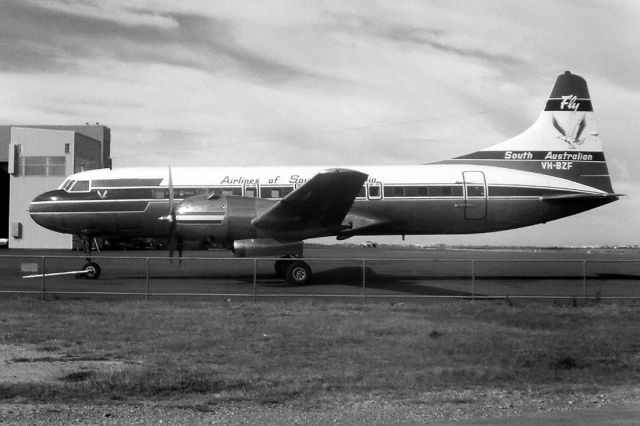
297	273
92	270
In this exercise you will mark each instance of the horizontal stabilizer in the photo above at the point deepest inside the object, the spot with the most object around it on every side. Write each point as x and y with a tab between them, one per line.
320	203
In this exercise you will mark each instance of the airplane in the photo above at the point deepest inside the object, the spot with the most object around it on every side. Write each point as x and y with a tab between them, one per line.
555	168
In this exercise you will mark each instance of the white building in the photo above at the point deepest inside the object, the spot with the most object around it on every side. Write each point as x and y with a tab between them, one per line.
36	159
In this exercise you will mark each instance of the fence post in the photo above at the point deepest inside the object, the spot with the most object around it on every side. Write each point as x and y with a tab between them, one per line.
584	278
364	278
473	279
147	273
44	273
255	279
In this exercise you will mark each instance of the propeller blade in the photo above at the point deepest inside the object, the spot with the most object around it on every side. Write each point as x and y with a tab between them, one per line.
172	238
172	211
171	218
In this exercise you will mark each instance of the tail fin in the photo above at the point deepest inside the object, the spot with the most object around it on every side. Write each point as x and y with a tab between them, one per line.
563	141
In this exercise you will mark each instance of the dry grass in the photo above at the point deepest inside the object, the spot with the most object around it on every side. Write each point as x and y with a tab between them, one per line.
280	352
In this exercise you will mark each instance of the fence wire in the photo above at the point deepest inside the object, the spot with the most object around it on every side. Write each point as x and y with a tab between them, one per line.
341	278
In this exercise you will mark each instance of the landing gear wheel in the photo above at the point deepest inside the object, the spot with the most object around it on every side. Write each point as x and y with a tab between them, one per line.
297	273
92	270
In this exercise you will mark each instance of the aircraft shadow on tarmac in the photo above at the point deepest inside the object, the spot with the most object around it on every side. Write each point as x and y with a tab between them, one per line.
352	276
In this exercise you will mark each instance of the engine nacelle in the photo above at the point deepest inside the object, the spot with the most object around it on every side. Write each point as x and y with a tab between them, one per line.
266	247
220	219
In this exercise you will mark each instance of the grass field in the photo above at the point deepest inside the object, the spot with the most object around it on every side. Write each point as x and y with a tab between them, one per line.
315	353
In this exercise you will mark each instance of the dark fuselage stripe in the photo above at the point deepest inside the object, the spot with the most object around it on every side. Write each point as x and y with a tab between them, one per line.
512	155
89	206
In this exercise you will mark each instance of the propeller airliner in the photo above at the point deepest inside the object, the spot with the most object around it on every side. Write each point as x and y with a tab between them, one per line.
555	168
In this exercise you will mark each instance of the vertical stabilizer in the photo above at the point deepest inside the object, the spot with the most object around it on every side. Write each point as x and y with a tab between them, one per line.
563	142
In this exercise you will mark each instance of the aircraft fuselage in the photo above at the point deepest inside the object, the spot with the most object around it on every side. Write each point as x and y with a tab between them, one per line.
420	199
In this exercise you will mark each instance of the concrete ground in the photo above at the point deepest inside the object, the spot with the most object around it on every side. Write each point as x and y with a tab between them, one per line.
338	271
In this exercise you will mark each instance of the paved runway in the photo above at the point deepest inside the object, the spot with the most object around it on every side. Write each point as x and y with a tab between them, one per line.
388	271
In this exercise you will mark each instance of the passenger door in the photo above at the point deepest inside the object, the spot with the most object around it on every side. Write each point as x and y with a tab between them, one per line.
475	193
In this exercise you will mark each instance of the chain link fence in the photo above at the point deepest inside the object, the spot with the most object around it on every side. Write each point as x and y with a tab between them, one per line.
351	278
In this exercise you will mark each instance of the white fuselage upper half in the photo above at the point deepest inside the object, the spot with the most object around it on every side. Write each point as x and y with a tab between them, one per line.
297	175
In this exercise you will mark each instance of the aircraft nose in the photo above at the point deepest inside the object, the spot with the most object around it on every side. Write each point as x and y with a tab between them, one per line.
47	196
42	206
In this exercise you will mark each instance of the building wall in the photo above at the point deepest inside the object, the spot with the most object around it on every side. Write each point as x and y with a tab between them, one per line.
24	188
86	154
76	151
4	200
5	138
94	131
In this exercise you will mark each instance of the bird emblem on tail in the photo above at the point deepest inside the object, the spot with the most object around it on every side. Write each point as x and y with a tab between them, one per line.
572	139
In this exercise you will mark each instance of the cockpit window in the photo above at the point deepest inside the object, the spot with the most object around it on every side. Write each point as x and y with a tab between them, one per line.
68	184
64	184
79	186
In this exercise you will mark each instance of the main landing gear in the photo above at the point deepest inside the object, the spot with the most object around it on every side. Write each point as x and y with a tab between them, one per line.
91	269
293	270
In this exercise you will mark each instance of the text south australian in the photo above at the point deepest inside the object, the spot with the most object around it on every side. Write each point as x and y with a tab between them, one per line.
528	155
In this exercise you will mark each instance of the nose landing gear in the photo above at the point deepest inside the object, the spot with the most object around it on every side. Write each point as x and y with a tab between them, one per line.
91	269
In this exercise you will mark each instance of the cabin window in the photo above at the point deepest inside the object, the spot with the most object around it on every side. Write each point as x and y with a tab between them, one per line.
445	191
269	192
232	191
158	194
124	183
275	191
414	191
393	191
184	192
227	190
362	193
250	191
374	191
129	193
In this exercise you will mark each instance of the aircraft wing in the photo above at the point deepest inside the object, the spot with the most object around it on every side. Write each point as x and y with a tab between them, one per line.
320	203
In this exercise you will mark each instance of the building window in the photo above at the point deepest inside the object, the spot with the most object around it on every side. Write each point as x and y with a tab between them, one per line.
66	148
42	166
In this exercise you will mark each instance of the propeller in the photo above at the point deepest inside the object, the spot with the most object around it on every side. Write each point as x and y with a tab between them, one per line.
174	241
